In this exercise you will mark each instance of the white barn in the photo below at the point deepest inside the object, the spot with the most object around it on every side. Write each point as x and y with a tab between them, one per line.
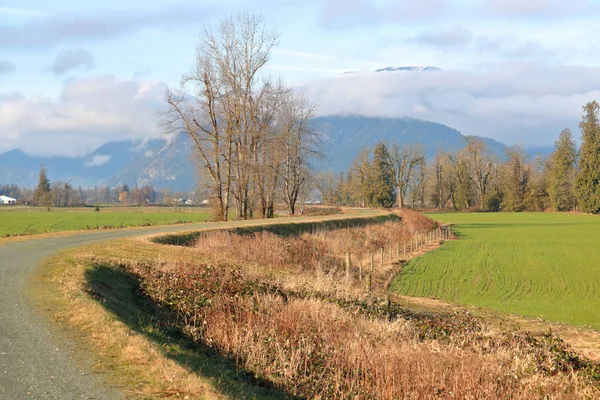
7	200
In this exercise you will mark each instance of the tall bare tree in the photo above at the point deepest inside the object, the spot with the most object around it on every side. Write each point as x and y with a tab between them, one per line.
217	105
300	144
482	167
405	160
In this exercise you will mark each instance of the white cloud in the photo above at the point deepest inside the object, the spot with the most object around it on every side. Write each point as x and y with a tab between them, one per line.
97	160
88	113
514	103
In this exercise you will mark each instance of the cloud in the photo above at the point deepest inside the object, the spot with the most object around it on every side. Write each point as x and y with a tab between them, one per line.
6	67
20	12
455	36
302	54
88	113
515	103
97	160
68	60
350	13
540	8
47	30
500	47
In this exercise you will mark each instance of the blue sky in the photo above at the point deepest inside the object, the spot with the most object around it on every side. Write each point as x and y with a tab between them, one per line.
74	74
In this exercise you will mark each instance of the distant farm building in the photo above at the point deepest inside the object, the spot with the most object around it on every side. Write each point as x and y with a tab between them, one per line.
7	200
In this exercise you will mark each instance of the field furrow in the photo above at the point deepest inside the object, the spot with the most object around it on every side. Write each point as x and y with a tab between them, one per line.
533	264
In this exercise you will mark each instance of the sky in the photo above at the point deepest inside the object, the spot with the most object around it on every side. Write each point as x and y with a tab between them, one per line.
75	75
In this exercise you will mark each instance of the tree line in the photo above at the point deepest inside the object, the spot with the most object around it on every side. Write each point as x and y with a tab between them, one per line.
473	178
63	194
250	131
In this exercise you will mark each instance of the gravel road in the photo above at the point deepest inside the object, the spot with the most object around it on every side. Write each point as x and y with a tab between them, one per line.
34	362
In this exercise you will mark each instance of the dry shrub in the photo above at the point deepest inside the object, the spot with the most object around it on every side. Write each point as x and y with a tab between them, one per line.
313	335
316	349
323	248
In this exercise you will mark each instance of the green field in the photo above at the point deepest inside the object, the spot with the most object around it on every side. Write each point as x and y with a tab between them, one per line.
26	221
543	265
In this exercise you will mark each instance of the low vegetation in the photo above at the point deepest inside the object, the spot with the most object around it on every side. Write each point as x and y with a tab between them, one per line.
29	221
535	265
285	312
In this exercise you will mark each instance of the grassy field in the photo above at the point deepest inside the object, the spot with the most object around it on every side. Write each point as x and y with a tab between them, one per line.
27	221
542	265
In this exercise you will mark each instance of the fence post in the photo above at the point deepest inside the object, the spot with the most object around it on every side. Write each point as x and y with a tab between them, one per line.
360	276
372	261
391	254
347	265
381	251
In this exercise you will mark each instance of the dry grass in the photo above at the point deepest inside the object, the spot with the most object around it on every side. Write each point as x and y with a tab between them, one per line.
273	307
289	317
317	348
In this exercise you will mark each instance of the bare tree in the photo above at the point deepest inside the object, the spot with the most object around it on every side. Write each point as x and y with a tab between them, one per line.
482	167
361	177
406	160
217	105
440	171
300	144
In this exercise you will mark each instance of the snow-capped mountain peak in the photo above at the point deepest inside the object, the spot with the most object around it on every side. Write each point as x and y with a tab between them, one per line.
413	68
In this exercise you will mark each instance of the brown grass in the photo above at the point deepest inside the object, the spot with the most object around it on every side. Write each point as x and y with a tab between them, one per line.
293	320
316	348
280	312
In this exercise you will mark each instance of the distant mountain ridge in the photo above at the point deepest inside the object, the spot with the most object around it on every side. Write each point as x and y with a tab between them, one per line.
169	164
345	136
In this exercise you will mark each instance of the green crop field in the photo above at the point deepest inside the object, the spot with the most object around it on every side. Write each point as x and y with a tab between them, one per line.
543	265
23	221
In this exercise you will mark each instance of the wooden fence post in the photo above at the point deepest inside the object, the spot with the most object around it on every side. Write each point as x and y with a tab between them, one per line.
381	251
348	265
360	275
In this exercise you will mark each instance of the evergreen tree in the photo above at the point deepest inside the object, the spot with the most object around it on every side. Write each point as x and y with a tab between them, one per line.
516	180
381	183
562	172
587	184
42	195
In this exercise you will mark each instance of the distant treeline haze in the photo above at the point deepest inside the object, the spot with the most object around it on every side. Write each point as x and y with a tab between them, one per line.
63	194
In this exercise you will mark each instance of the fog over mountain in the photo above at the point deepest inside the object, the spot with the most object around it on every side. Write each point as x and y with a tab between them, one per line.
170	164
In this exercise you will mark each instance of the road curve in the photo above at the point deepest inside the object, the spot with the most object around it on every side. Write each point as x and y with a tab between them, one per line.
34	364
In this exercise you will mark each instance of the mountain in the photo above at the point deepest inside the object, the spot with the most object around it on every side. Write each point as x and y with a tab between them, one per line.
158	162
418	68
345	136
162	165
413	68
169	164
